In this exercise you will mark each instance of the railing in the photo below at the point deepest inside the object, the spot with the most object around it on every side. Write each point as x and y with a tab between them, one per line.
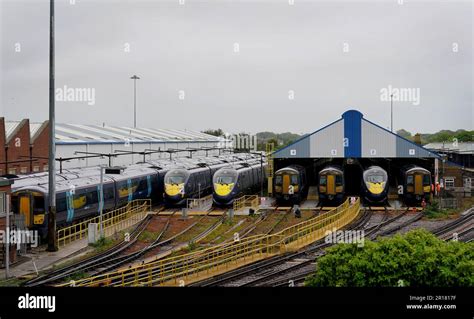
112	221
245	201
199	204
188	268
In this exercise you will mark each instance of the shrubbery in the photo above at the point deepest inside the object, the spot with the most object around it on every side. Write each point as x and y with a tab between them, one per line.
415	259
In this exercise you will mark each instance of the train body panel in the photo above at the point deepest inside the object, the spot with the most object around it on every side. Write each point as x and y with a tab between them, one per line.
416	183
290	184
234	181
331	185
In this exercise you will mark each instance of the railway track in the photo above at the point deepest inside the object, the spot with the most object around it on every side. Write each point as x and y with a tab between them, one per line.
112	258
92	261
293	268
275	261
462	226
297	273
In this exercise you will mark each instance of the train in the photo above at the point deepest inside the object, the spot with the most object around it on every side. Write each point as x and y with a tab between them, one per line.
416	184
290	184
375	185
193	180
231	182
78	190
331	186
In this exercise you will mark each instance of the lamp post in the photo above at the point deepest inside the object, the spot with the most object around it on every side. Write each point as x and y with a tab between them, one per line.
52	240
135	78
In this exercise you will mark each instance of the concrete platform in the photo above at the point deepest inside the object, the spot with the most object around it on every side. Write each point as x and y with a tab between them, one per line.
44	260
309	204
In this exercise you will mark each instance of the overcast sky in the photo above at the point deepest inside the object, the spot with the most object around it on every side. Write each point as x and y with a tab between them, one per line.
333	55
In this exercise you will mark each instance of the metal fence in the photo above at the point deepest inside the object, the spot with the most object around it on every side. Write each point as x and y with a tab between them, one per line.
112	221
449	203
192	267
199	204
246	201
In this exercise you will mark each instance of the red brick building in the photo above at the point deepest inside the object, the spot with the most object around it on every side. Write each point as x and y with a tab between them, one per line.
24	147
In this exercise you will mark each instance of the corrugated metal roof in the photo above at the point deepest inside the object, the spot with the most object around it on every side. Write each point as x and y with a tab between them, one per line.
10	127
108	134
78	133
460	147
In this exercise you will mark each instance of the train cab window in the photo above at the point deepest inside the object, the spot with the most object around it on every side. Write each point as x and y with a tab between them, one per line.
426	180
375	179
174	179
294	179
323	180
224	179
278	180
38	204
338	180
410	180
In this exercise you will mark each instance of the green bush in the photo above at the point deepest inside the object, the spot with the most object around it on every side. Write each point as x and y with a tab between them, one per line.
433	210
416	259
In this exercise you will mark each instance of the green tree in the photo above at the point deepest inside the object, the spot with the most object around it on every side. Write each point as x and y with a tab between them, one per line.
415	259
218	132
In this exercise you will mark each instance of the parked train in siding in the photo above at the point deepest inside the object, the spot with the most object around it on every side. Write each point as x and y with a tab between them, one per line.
290	184
194	180
416	184
78	191
375	184
331	185
78	198
232	182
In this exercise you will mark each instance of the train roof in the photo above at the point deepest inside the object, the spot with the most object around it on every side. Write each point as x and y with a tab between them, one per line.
330	168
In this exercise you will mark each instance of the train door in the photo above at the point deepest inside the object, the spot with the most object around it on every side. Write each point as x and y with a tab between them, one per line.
331	185
24	204
286	183
418	184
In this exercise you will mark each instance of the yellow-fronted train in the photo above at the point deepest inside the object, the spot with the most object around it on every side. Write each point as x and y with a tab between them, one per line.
331	185
416	184
290	184
375	184
235	181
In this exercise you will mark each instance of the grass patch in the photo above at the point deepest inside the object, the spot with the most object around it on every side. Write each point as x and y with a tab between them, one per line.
434	211
103	244
12	282
148	236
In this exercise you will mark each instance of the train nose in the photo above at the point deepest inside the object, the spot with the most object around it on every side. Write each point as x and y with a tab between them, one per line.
375	188
223	189
173	190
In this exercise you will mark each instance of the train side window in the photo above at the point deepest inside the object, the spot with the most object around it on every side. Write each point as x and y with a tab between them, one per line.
92	197
410	180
